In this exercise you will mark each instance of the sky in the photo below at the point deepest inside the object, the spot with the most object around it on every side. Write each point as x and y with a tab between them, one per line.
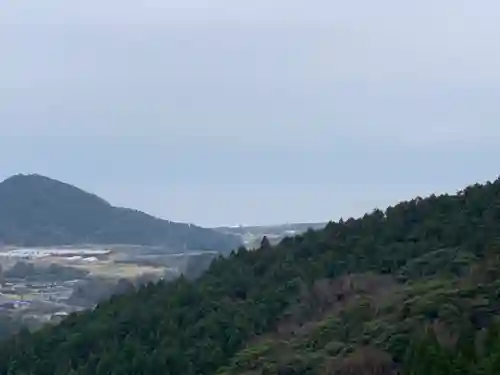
227	112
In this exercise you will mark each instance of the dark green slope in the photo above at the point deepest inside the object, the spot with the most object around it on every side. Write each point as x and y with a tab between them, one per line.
349	299
39	211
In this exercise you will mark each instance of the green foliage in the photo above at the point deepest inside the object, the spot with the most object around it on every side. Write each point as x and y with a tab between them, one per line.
444	263
9	326
474	353
348	299
54	272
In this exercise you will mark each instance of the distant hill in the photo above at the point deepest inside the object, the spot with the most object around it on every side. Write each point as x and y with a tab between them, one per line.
40	211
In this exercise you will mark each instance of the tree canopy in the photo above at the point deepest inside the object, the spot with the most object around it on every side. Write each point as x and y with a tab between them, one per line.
412	289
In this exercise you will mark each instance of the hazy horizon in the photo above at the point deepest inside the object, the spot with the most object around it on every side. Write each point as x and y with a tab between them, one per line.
264	112
345	216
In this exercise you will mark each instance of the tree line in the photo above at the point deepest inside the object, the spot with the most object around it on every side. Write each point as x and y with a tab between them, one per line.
441	248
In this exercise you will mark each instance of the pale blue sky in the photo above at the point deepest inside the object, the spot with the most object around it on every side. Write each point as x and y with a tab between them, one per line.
251	112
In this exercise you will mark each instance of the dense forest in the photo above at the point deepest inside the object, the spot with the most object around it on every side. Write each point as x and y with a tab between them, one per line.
39	211
412	290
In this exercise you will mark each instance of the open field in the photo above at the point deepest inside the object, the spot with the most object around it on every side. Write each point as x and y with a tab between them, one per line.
118	270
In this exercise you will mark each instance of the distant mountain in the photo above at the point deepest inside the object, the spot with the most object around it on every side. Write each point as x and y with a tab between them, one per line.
40	211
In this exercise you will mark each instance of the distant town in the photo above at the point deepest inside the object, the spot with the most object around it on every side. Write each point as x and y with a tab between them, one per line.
40	285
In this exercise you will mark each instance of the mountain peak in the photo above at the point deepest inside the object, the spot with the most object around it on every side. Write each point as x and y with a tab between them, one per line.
21	176
39	187
29	178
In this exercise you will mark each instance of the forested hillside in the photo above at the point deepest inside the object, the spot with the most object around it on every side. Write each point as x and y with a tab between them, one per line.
39	211
413	290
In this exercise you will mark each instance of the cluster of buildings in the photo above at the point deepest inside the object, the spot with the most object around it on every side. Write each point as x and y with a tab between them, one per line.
35	253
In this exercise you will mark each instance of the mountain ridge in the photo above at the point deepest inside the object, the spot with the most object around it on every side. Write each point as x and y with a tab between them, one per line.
36	210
